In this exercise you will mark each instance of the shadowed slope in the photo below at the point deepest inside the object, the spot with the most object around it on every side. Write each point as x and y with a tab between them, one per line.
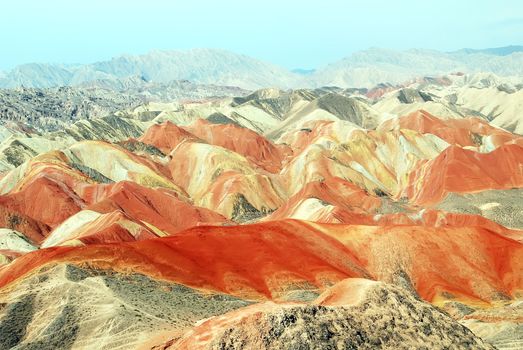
104	310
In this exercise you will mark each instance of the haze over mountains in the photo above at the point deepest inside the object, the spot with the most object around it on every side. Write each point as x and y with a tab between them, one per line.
212	66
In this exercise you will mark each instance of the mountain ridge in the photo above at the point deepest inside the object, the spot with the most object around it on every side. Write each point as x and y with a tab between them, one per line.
365	68
501	51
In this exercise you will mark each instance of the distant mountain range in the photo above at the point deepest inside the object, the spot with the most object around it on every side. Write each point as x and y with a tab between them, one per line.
213	66
499	51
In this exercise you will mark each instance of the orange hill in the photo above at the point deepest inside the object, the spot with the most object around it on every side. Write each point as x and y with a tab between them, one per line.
471	263
460	170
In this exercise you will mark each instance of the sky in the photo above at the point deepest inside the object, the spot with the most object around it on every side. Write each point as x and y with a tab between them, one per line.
294	34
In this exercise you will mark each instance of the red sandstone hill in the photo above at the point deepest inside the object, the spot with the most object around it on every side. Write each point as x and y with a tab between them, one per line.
469	263
460	132
166	136
460	170
246	142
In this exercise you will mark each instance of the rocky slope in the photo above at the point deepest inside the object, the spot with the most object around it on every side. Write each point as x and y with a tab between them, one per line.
101	309
381	317
53	108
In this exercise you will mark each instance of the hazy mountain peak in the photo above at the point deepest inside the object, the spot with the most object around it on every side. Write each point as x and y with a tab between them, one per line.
498	51
365	68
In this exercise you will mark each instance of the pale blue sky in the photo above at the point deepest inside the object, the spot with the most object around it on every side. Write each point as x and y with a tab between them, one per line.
294	34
